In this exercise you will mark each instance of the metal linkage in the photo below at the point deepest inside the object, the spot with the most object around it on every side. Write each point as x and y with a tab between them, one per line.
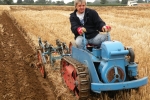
62	47
51	53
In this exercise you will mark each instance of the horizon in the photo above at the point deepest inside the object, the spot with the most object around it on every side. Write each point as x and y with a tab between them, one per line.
65	1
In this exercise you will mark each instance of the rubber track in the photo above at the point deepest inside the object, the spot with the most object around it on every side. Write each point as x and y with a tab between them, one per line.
84	79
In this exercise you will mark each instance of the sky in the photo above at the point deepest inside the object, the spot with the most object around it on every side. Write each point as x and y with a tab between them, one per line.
65	1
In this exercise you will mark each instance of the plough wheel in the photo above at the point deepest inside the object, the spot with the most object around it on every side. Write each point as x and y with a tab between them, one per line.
76	77
40	64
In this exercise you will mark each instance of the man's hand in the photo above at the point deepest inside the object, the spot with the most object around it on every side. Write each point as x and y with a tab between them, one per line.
106	28
81	30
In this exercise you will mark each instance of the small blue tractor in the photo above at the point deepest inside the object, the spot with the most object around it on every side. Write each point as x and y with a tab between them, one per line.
108	67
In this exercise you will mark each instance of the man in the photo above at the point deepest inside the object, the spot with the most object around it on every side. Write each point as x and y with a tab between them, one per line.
85	20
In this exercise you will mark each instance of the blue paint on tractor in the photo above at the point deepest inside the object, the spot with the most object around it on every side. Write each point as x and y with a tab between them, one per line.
111	67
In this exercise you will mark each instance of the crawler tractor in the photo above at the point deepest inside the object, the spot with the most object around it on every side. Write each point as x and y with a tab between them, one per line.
108	67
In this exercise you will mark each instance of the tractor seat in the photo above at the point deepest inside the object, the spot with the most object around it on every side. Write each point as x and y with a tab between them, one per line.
91	46
88	46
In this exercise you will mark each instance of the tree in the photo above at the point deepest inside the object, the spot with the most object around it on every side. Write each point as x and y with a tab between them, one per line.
48	1
19	1
117	1
70	3
26	1
103	1
140	1
41	1
1	2
97	2
31	1
124	1
60	2
8	2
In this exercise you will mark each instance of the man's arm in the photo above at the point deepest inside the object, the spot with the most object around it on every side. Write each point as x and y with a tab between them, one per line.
74	25
99	23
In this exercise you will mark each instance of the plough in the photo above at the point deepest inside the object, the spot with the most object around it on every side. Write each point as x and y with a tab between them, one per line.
47	53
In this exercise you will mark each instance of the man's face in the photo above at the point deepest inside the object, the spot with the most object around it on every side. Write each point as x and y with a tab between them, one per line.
81	7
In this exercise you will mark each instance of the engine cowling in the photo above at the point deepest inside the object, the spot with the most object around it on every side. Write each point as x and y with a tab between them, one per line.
112	67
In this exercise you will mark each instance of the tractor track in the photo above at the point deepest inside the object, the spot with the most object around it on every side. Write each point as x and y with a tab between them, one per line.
83	81
19	81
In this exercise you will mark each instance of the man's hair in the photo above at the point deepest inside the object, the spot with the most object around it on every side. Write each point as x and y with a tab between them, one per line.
77	1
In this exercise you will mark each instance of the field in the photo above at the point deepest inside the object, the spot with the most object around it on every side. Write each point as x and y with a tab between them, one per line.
20	27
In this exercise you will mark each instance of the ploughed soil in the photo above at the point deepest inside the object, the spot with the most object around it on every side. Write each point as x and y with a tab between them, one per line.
18	80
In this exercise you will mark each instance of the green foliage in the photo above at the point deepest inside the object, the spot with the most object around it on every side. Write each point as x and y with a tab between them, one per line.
117	1
96	2
48	1
70	3
1	2
29	1
140	1
8	2
60	3
115	4
103	1
41	1
124	1
19	1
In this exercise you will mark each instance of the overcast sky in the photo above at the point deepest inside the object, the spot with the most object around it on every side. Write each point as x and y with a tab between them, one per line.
66	1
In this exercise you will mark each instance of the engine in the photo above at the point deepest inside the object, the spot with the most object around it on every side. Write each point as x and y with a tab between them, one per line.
114	65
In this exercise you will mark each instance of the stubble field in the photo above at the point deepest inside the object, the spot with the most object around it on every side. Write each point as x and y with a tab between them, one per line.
130	25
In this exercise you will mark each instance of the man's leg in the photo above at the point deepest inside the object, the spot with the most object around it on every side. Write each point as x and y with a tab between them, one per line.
79	42
98	39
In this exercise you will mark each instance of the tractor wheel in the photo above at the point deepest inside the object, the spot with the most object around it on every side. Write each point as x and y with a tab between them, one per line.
131	55
40	64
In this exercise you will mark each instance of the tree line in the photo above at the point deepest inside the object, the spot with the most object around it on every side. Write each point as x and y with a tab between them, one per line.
24	2
9	2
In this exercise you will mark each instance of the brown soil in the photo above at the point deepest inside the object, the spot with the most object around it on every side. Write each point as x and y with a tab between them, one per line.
19	81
